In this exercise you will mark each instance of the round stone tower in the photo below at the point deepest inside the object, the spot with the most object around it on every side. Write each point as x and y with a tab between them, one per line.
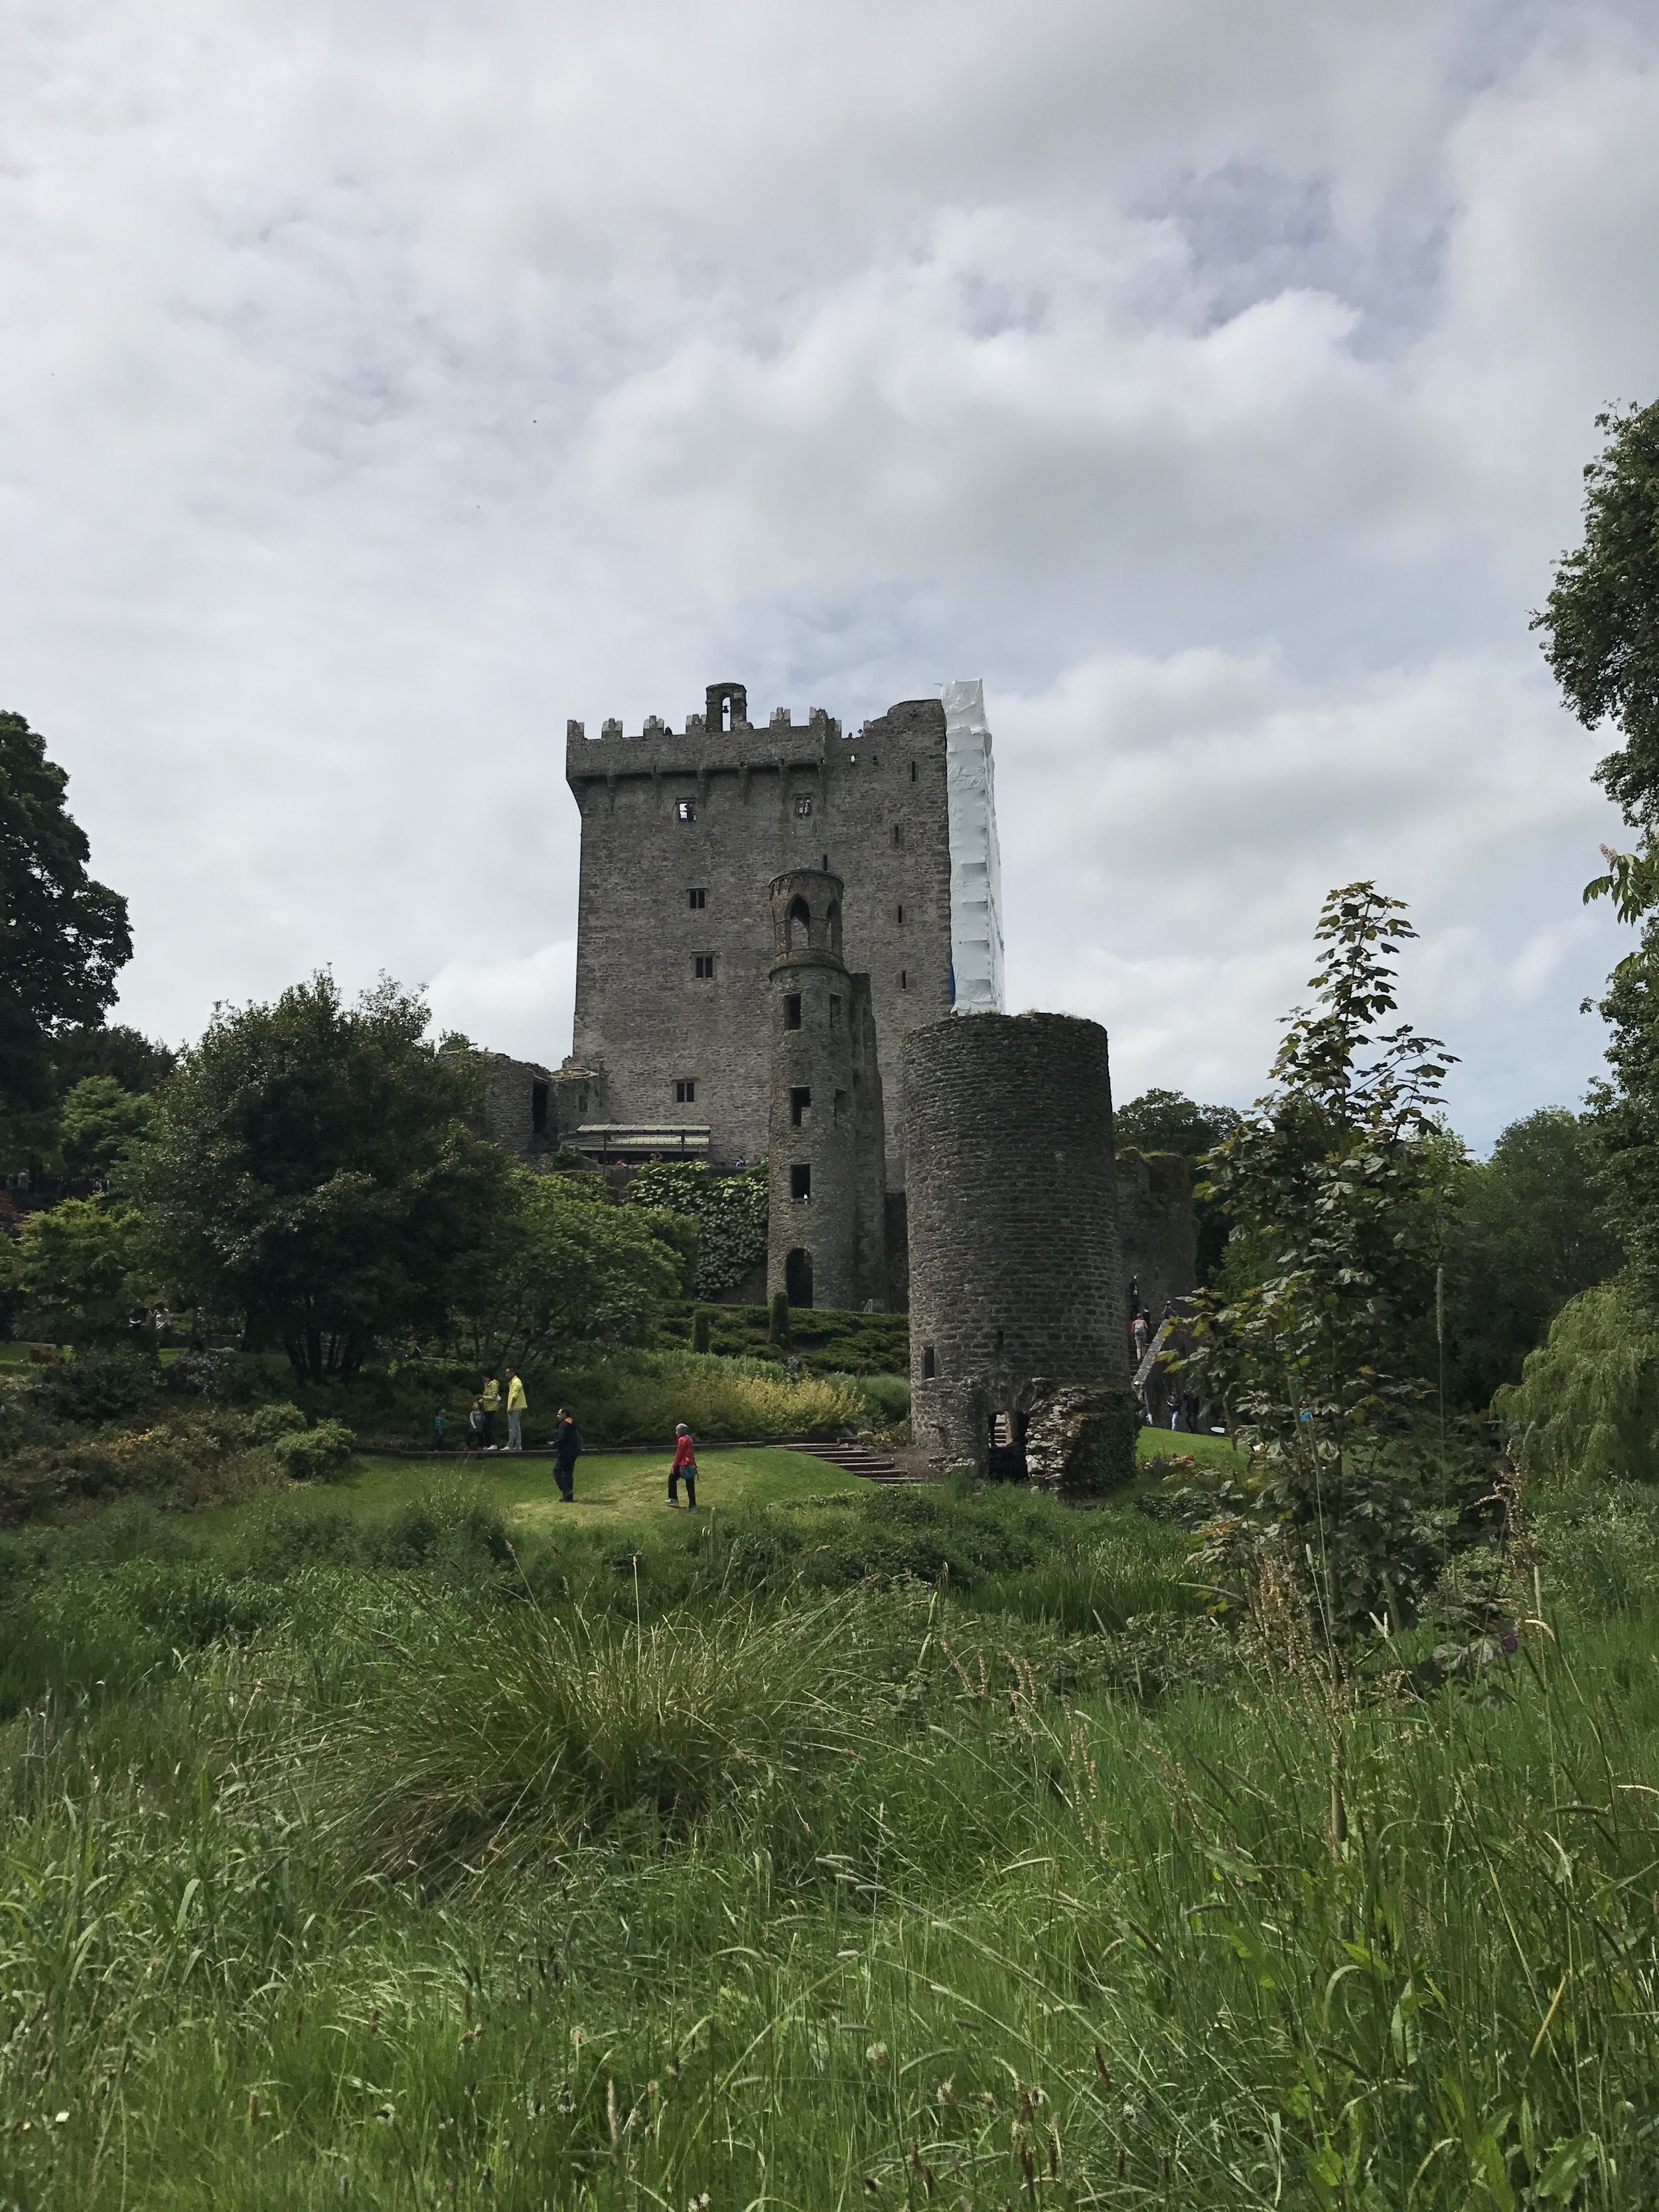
1016	1300
811	1139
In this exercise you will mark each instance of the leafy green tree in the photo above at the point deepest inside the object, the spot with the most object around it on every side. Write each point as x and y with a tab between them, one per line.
1601	638
730	1211
312	1167
564	1265
101	1126
136	1062
74	1270
63	936
1339	1172
1587	1406
1169	1122
1532	1236
1602	618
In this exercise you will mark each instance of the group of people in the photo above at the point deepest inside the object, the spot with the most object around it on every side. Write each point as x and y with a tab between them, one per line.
567	1438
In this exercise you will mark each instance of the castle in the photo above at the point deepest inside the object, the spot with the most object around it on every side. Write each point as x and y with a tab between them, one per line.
767	912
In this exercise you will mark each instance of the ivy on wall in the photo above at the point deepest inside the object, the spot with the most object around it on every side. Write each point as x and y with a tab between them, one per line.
730	1211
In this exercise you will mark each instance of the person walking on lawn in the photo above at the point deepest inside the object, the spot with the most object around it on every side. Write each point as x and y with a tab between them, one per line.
517	1406
491	1402
685	1463
566	1449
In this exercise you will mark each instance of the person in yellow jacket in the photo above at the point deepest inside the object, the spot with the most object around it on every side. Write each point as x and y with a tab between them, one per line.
517	1406
491	1402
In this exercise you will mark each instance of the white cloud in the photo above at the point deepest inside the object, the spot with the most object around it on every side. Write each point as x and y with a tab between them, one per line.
380	389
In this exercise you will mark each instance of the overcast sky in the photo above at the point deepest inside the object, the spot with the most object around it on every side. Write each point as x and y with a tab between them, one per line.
383	384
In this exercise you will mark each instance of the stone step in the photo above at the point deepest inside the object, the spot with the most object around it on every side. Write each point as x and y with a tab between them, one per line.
859	1459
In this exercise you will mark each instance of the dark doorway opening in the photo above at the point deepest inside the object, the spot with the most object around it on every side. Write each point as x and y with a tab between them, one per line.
798	1277
800	1105
538	1109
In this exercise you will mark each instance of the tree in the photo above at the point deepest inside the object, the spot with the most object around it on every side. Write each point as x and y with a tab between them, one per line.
1341	1172
1602	618
1169	1121
564	1264
1531	1237
72	1268
63	936
137	1063
312	1167
101	1126
1601	638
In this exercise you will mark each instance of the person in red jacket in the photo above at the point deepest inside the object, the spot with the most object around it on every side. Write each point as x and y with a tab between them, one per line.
685	1463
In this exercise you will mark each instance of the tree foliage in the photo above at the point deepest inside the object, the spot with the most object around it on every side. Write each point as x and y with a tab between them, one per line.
73	1270
311	1168
136	1062
101	1126
1602	618
1341	1173
1587	1405
730	1211
564	1265
1532	1236
63	936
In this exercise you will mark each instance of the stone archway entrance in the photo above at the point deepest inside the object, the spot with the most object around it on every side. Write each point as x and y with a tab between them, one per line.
798	1277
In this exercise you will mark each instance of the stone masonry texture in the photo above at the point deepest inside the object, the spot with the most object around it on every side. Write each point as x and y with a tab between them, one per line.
722	809
1158	1228
1016	1278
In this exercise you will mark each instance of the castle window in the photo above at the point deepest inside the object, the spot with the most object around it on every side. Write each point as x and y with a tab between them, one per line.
800	1183
841	1104
905	979
800	917
835	1013
539	1109
685	1091
929	1365
803	805
703	967
901	914
913	771
686	809
800	1105
898	836
792	1011
698	900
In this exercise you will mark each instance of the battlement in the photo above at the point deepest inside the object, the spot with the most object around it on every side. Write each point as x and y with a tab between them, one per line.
658	746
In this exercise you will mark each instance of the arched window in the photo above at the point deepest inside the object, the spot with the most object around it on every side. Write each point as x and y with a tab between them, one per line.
833	919
798	1277
800	917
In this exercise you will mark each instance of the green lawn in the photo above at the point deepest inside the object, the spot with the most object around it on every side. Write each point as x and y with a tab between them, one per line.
612	1488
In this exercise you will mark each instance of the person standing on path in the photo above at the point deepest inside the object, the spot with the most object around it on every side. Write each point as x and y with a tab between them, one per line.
566	1449
475	1426
517	1406
491	1402
685	1463
439	1427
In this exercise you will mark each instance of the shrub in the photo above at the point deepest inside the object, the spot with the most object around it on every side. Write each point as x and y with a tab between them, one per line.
509	1743
281	1418
223	1378
324	1454
102	1382
702	1329
778	1330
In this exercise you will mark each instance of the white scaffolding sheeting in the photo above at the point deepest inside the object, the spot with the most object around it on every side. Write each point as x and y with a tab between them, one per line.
976	863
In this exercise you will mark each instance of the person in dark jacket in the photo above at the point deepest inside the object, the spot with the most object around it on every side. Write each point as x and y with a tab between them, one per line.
685	1463
566	1449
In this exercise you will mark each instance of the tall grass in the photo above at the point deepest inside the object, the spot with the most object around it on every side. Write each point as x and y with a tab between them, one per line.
873	1903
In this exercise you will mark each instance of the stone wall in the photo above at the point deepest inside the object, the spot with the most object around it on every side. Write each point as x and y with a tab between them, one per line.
1158	1227
519	1106
720	811
1016	1276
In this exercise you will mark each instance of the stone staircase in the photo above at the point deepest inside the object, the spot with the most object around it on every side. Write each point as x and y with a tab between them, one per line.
859	1459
